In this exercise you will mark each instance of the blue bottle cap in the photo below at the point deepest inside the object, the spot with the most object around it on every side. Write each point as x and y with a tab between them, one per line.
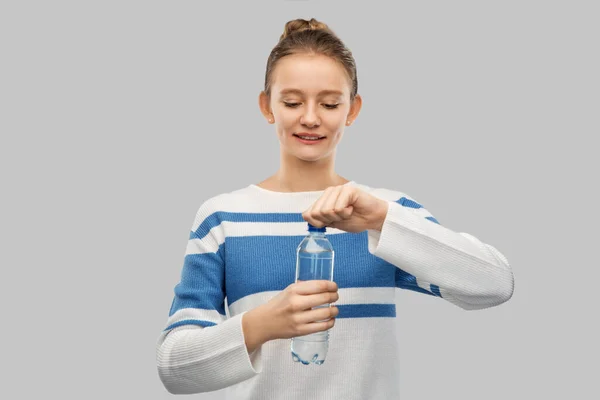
312	228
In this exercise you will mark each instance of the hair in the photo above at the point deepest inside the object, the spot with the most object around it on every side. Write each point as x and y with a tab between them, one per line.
311	37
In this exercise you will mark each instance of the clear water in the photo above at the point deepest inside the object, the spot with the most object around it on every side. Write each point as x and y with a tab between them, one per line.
314	261
310	348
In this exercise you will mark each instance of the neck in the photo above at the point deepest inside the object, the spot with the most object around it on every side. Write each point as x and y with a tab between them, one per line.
296	175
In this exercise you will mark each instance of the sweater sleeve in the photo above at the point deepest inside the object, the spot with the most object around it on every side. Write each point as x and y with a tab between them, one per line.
201	349
453	265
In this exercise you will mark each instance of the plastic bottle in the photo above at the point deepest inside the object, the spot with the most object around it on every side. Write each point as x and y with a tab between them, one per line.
314	260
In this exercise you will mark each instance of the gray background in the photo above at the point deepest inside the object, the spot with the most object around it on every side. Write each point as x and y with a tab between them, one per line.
119	118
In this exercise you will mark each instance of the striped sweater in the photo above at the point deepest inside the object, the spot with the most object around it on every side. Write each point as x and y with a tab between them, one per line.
242	251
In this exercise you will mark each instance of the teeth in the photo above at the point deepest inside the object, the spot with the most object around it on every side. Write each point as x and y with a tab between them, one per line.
308	137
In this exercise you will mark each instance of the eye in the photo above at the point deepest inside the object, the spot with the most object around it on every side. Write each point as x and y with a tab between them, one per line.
328	106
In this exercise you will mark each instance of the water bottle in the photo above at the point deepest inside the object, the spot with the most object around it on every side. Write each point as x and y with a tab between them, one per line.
314	260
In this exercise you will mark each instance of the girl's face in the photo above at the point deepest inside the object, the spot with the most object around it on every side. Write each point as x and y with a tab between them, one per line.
310	96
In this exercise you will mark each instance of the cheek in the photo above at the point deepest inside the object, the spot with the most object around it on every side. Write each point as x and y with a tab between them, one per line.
285	126
282	132
338	133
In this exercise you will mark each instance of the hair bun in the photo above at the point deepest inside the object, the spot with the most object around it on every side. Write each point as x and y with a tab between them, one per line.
300	24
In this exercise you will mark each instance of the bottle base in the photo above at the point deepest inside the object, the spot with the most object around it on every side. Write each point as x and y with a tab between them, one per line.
315	360
309	351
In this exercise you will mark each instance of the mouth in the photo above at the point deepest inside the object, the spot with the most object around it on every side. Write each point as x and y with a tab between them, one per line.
309	138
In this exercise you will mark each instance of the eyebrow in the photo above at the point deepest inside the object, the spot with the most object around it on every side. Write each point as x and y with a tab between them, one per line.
298	91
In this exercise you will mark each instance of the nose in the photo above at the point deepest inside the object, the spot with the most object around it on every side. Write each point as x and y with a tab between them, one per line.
310	117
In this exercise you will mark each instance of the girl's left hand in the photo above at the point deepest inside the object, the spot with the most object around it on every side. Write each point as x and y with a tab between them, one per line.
347	208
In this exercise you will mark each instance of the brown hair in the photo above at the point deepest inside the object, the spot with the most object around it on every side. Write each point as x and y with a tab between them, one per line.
312	37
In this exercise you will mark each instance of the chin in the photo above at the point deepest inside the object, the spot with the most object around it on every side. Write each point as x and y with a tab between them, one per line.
308	159
313	156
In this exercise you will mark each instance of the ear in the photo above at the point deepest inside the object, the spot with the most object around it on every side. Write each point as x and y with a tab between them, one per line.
355	108
265	107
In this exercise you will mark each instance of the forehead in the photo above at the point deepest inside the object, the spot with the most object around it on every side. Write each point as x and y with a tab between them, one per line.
309	74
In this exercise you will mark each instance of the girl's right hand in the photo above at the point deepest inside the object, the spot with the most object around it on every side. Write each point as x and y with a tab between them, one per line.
290	314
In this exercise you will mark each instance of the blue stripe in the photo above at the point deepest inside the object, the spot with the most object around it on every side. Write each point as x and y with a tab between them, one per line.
404	280
205	279
247	259
413	204
433	219
366	310
202	283
190	322
408	203
345	311
435	289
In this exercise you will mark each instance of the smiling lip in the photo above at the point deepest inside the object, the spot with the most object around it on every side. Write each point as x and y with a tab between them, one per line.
308	134
308	141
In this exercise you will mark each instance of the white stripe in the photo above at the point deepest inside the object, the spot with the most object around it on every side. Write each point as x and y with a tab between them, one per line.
196	313
270	229
211	242
208	244
369	295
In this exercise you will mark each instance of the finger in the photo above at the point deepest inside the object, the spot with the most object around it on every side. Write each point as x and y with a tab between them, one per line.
314	327
319	300
317	315
301	303
320	212
307	215
313	214
328	209
344	202
315	286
